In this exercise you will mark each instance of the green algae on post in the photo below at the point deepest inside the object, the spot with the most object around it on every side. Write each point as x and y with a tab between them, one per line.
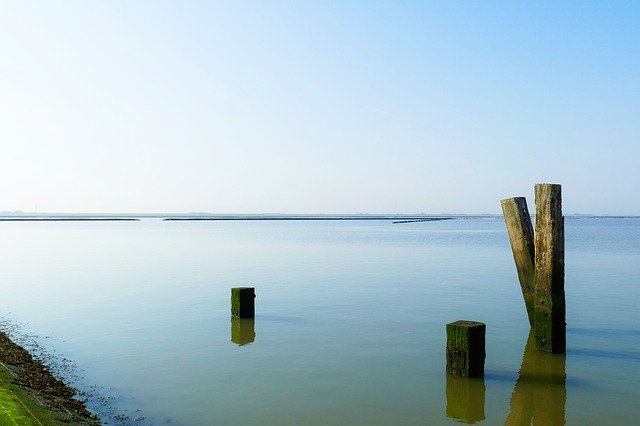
466	348
242	302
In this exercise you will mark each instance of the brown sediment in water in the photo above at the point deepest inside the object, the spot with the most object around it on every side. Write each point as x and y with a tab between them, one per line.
53	399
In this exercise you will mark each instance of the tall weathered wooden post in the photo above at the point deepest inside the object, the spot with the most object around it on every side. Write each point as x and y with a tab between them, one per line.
549	303
539	260
518	222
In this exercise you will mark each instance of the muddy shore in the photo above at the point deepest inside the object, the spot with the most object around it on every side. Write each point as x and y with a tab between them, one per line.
38	395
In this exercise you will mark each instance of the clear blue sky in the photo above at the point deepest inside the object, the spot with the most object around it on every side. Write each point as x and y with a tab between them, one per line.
318	107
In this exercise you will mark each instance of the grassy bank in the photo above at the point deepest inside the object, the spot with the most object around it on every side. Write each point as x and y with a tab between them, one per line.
31	395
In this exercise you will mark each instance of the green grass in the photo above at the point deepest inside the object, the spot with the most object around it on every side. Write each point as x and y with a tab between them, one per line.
14	404
21	407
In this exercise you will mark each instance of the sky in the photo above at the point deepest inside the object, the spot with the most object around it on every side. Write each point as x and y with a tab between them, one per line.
318	106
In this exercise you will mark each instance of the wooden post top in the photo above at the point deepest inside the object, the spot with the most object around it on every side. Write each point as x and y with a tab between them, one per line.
466	323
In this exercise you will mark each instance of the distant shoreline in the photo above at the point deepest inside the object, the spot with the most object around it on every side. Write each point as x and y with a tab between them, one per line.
66	219
396	219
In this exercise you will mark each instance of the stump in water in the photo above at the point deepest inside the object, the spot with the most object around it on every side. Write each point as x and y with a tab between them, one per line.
465	348
243	302
520	230
549	302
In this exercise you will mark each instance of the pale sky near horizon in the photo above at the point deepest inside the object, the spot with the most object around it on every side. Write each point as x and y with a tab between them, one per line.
318	107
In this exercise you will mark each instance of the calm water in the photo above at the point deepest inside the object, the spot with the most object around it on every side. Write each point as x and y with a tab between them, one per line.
349	326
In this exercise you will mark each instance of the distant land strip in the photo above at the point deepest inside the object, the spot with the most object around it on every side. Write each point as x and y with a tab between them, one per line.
64	219
404	219
431	219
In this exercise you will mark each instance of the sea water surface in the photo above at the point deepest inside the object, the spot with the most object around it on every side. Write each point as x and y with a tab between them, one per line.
350	320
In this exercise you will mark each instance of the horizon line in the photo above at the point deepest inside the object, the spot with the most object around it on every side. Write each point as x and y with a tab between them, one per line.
19	213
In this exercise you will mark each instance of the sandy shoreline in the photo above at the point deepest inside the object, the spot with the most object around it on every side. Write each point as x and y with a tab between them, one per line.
30	394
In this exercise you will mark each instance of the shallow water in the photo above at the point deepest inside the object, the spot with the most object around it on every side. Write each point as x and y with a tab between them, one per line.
349	326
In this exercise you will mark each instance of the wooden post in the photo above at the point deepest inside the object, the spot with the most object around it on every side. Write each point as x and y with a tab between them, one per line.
520	230
242	302
465	348
549	303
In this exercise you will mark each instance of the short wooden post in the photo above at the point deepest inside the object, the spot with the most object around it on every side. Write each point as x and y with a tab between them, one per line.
549	302
520	230
465	348
242	302
242	330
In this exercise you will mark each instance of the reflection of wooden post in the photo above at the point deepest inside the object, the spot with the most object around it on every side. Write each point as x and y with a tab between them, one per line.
550	389
521	404
465	348
465	398
549	311
520	230
242	330
242	302
539	395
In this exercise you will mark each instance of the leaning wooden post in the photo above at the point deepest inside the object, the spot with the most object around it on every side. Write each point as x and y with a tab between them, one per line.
242	302
520	230
549	307
465	348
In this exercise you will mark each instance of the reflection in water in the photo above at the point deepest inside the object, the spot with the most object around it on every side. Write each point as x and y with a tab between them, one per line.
465	398
540	393
242	330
